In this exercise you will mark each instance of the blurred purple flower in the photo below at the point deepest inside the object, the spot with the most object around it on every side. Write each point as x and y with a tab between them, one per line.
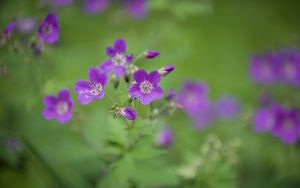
118	59
151	54
265	68
290	66
10	28
128	113
193	97
137	8
164	71
146	86
287	125
59	107
265	118
227	107
204	117
26	25
165	137
48	29
92	89
95	6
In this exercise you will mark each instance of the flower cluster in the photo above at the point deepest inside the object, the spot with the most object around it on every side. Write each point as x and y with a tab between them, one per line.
144	86
193	99
280	120
280	66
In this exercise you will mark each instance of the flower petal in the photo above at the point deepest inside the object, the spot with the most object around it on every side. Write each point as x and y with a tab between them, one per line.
95	75
157	92
64	118
85	98
110	51
154	77
100	95
119	70
106	66
49	113
146	98
64	94
50	100
129	113
140	75
82	86
120	46
134	90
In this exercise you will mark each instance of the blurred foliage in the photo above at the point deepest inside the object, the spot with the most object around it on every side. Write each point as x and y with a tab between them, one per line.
206	40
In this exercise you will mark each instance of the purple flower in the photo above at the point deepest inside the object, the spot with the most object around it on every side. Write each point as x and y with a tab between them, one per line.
165	137
137	8
9	28
204	117
193	97
265	118
118	59
151	54
227	107
48	29
95	6
59	107
146	86
128	113
26	25
290	66
166	70
265	68
92	89
287	125
172	95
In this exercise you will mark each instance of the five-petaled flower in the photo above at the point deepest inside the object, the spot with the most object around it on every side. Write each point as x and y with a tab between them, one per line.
48	29
59	107
92	89
146	86
118	60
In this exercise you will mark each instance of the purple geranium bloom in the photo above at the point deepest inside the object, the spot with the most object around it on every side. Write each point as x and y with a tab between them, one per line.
165	137
149	54
118	59
95	6
92	89
146	86
227	107
290	66
137	8
193	97
48	29
164	71
10	28
287	125
265	118
265	68
59	107
26	25
204	117
128	113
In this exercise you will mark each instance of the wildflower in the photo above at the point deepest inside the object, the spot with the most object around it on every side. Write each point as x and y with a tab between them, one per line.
193	97
287	125
166	70
227	107
95	6
204	117
165	137
92	89
264	118
26	25
137	8
149	54
48	29
146	86
59	107
265	68
118	59
9	28
290	67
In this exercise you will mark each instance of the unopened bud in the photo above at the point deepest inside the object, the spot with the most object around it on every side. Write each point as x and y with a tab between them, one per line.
149	54
166	70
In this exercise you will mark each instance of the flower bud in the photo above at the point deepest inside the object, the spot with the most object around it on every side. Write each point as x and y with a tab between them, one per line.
128	113
166	70
149	54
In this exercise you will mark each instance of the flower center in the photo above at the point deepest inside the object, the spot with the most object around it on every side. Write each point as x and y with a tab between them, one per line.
119	59
96	88
62	108
146	87
47	29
